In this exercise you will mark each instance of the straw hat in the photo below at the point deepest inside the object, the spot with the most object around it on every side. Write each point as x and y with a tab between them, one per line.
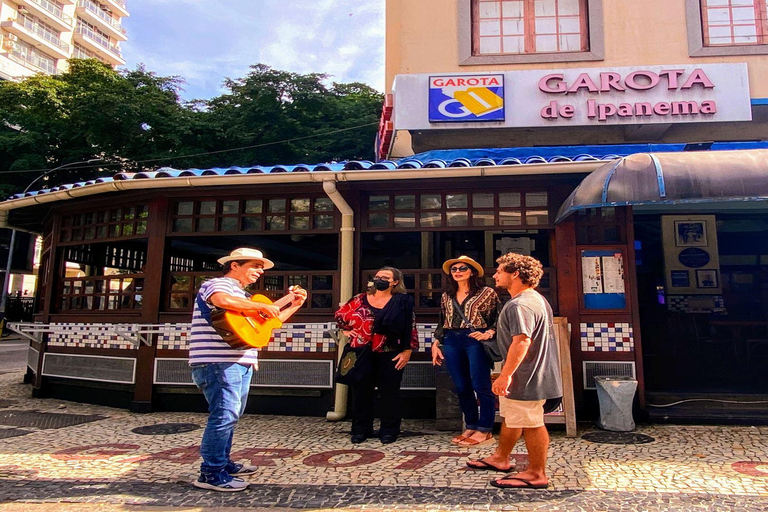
467	261
244	253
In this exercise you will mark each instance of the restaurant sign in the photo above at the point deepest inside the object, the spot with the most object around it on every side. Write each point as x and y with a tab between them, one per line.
575	97
465	98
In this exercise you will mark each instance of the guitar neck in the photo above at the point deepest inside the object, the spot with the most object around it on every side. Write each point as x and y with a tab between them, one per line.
285	302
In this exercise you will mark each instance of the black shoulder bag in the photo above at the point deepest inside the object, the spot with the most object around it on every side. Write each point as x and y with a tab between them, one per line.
491	347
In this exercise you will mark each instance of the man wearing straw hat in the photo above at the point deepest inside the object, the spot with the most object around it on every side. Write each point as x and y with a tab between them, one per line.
223	373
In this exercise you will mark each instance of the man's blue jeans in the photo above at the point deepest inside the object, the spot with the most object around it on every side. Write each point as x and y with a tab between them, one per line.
225	386
470	370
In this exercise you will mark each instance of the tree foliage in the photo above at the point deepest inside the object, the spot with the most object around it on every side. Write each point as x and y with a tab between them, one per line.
135	120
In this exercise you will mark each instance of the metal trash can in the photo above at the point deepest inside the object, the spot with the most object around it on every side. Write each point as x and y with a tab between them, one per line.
616	395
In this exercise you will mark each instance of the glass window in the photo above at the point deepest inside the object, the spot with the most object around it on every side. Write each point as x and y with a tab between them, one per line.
207	208
275	223
509	200
378	203
405	202
276	205
378	220
323	222
405	220
457	218
430	219
482	200
230	207
299	205
455	201
299	222
734	22
253	206
431	202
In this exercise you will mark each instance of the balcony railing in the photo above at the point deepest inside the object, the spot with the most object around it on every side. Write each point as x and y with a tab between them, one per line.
55	10
31	25
101	14
98	39
78	52
28	58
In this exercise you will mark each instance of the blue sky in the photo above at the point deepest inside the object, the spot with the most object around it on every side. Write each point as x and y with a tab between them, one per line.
204	41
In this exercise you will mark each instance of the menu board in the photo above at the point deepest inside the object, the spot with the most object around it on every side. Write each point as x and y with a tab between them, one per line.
602	277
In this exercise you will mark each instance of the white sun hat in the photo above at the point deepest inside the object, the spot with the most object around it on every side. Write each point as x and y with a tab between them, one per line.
244	253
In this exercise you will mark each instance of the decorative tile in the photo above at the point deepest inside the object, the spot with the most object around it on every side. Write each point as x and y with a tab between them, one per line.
606	337
696	303
90	335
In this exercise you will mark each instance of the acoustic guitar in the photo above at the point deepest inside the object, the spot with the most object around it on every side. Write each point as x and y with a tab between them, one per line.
244	332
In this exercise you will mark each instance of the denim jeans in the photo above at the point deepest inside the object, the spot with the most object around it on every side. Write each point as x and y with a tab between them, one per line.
225	386
470	370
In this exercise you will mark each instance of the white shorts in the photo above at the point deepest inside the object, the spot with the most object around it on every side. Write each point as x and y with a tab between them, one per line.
522	413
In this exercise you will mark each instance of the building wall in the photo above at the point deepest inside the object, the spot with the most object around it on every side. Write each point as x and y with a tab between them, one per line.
423	37
14	46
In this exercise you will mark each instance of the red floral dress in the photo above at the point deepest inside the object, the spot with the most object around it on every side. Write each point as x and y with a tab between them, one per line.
357	316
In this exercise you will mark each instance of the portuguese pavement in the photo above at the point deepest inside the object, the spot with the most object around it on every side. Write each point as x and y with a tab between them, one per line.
57	455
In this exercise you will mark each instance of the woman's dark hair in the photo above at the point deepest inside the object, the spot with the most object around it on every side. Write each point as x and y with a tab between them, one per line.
476	283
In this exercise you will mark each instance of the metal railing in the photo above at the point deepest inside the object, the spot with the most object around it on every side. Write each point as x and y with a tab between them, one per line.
36	28
55	10
26	58
78	52
101	14
98	38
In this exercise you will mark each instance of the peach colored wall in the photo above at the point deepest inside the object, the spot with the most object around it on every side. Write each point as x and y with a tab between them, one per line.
422	37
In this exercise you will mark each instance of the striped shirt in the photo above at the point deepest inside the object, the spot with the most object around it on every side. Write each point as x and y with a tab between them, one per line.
205	345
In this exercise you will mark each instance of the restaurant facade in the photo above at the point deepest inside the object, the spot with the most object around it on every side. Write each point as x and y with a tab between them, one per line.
632	165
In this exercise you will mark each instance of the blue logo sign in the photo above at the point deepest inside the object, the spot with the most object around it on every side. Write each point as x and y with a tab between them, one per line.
463	98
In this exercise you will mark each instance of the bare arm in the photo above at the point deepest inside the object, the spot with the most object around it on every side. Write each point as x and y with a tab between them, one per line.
515	355
242	305
298	301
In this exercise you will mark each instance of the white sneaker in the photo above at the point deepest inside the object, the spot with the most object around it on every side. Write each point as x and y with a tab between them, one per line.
216	483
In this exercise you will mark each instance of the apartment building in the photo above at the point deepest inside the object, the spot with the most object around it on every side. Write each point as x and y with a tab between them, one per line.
38	36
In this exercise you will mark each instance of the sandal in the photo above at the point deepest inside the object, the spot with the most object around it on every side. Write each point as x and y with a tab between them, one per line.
470	441
461	437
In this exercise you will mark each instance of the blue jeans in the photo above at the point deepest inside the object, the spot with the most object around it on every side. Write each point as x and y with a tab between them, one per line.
225	386
470	370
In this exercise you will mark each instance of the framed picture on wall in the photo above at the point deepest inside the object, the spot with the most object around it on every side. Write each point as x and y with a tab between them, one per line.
691	233
706	278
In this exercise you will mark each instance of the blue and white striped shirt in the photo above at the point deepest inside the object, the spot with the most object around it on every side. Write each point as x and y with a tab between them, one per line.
205	345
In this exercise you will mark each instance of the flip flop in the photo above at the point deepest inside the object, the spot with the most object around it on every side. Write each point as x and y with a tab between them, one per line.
526	483
486	466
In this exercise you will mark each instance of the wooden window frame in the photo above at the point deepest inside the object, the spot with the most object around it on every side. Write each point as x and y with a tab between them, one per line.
592	39
761	24
696	25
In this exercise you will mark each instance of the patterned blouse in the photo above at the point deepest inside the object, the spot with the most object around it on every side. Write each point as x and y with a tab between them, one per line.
357	316
481	309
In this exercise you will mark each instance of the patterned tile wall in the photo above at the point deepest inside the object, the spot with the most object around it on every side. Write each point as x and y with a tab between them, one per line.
90	335
696	303
310	337
606	337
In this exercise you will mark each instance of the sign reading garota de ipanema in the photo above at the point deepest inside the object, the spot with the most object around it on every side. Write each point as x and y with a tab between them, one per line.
463	98
585	97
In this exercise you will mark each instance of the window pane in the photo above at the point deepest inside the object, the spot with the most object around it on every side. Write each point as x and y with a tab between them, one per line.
276	205
323	204
456	200
546	26
545	8
512	9
90	233
509	200
569	25
482	200
275	223
535	199
207	207
510	218
113	215
514	44
490	28
378	220
114	230
179	301
322	301
489	9
228	224
405	202
431	201
570	43
127	230
300	205
143	212
323	222
430	219
253	206
567	7
490	45
536	217
719	16
299	222
482	218
405	220
456	218
378	203
745	39
230	206
205	225
322	282
546	43
182	225
130	213
252	223
743	14
513	27
300	280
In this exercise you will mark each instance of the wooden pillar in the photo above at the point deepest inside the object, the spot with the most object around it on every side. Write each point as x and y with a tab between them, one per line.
150	307
54	273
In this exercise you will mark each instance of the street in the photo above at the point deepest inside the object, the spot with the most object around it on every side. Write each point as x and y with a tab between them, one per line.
13	354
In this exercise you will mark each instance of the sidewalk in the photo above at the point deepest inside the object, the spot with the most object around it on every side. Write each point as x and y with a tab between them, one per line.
54	452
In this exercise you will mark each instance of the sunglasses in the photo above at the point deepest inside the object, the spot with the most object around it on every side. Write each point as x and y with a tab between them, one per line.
462	268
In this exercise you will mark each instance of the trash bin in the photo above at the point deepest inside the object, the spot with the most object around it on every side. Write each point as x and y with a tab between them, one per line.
616	395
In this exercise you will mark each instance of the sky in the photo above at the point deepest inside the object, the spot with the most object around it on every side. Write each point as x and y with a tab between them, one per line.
205	41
